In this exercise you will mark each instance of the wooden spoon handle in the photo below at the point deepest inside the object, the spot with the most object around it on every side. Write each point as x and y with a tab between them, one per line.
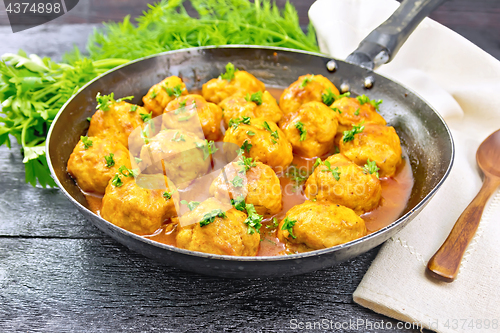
445	263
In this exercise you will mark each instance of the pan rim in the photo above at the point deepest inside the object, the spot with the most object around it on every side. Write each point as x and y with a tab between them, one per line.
202	255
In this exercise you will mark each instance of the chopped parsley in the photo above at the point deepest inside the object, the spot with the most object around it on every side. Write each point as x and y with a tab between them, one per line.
365	99
89	119
254	220
349	135
274	224
87	143
371	168
229	74
153	94
274	135
250	133
167	195
182	107
297	175
255	97
117	180
329	96
245	163
133	108
237	181
138	160
288	226
128	172
210	217
317	163
145	134
246	146
239	203
356	113
207	147
109	160
302	130
146	116
235	122
178	137
104	101
335	172
336	110
175	91
306	81
191	205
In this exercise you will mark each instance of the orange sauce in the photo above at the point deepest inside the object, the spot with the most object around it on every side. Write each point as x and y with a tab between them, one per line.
395	194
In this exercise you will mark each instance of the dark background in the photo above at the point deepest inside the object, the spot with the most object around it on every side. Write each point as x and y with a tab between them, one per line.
58	273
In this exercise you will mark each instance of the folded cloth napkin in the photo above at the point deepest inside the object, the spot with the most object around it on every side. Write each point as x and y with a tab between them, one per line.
462	83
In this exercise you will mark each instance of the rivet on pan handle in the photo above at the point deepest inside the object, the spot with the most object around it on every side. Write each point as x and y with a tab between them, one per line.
382	44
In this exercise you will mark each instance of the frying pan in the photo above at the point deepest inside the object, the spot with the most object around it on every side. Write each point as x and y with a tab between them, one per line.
423	132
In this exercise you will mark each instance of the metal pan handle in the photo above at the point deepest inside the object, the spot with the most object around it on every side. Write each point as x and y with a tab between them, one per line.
382	44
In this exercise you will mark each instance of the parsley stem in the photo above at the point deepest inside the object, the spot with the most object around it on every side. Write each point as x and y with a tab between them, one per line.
23	133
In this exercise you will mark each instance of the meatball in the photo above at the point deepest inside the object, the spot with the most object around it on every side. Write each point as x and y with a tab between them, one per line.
342	182
351	112
138	209
307	88
376	143
95	161
242	83
311	129
215	228
177	153
319	225
117	122
163	93
261	140
258	105
189	112
259	186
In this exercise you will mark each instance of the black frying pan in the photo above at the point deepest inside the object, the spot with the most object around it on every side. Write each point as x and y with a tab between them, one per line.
423	132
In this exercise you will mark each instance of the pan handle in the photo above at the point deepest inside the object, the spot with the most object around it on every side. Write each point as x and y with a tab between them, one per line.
382	44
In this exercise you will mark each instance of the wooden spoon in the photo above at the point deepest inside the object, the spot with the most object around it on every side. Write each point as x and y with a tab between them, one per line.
445	263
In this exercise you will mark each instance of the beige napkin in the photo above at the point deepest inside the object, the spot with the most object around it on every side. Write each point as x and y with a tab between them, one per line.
462	82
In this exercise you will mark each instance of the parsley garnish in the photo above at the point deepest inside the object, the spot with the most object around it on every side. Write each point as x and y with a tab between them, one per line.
145	133
153	94
229	74
349	135
210	217
175	91
288	226
138	160
191	205
356	113
329	97
302	130
133	108
246	146
274	225
316	163
128	172
236	121
371	168
274	135
297	175
182	107
109	160
245	163
365	99
184	118
239	203
253	221
255	97
104	101
306	81
335	172
250	133
87	143
89	119
208	148
146	116
167	195
181	137
237	181
336	110
117	180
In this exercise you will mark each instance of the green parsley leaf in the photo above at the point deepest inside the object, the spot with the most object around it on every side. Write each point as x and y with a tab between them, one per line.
306	81
230	70
182	107
274	134
207	147
153	94
349	135
175	91
178	137
274	224
128	172
288	226
245	163
89	119
239	203
210	217
302	130
254	220
335	172
250	133
191	205
117	180
246	146
146	116
336	110
255	97
138	160
329	96
109	160
237	181
317	163
133	108
297	175
356	113
236	121
167	195
371	168
365	99
87	143
104	101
